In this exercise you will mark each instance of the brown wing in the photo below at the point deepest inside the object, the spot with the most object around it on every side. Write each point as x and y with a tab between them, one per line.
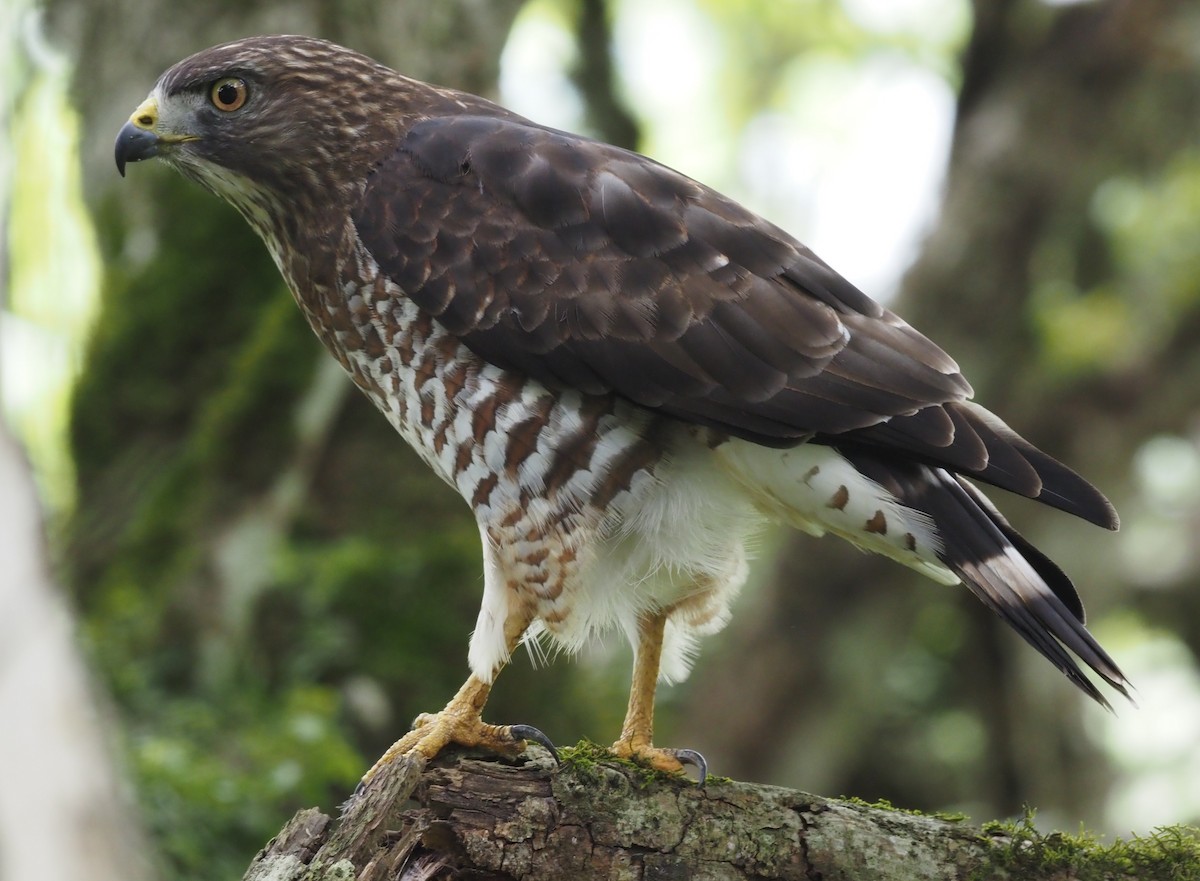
587	266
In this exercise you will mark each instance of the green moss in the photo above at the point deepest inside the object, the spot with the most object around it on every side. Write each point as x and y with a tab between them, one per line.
584	759
584	756
1020	851
884	805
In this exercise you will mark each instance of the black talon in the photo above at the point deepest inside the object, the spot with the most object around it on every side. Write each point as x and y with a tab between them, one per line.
693	758
528	732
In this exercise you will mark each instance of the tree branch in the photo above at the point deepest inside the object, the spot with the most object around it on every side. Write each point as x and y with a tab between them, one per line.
595	817
484	818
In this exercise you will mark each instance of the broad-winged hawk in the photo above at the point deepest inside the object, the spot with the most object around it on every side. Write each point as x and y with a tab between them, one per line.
620	370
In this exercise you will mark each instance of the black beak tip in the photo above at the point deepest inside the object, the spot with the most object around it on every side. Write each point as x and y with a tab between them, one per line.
133	145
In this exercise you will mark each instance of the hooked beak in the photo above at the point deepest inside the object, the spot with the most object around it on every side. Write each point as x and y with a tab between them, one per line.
134	144
140	139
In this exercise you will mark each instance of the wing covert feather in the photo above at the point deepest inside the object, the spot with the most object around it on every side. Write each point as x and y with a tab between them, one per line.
582	263
587	266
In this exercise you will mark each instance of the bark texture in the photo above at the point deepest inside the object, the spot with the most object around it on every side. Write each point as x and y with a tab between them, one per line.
464	817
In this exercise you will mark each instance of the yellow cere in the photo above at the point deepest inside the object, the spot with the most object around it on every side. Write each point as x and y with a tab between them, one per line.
146	116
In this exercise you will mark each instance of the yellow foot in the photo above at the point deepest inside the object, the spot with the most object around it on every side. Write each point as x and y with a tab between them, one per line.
432	732
669	760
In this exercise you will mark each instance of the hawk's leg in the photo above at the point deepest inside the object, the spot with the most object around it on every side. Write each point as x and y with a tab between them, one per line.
461	722
637	733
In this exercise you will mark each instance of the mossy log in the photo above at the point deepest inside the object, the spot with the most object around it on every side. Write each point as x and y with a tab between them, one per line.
488	819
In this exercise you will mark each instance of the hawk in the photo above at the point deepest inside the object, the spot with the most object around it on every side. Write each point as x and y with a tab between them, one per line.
622	372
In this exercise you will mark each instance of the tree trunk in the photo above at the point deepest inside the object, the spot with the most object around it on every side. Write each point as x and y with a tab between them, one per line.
63	815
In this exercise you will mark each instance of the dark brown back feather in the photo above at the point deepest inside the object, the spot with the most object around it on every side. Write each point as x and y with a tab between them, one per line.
588	266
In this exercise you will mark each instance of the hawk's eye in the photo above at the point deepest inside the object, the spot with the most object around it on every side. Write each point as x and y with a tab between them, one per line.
228	94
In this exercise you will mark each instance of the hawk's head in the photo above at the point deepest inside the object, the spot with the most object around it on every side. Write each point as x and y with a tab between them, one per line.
270	123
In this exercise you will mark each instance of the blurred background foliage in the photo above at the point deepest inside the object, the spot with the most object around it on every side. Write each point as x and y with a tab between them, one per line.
270	585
